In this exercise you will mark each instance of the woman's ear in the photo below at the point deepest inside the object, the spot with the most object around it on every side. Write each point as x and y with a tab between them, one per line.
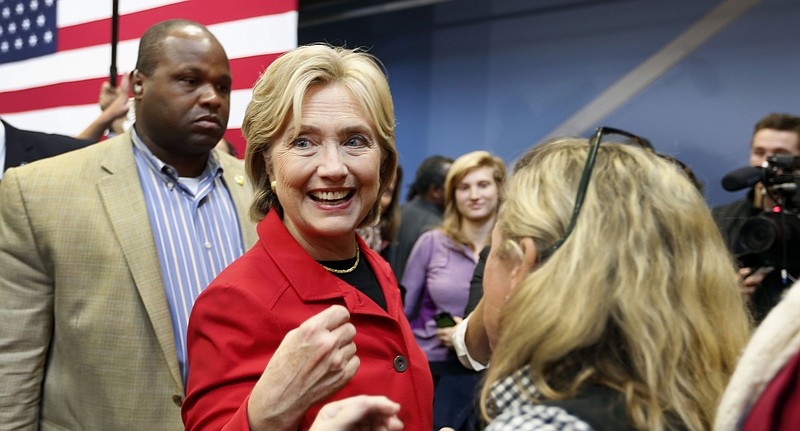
526	262
268	165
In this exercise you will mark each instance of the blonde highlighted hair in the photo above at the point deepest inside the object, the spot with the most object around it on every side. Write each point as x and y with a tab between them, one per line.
642	297
278	98
452	218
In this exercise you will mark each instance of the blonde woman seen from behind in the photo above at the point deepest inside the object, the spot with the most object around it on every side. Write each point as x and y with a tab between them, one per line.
633	322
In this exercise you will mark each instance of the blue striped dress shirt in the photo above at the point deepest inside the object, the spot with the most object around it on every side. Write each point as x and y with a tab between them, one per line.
196	231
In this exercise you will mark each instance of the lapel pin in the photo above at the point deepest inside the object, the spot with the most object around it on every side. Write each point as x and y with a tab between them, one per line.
239	180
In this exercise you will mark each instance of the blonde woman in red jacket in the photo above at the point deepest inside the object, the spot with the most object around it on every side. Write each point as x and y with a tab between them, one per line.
320	132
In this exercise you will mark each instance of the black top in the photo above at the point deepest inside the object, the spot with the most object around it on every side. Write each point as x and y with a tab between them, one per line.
416	217
731	217
362	278
599	406
476	283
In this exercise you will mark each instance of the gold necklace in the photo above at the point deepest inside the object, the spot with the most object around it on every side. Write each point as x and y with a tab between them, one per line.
348	270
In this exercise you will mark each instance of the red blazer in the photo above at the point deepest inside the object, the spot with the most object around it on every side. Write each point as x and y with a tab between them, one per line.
238	322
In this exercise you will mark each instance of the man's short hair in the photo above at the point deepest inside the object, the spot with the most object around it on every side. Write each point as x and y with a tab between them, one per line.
151	45
431	172
779	121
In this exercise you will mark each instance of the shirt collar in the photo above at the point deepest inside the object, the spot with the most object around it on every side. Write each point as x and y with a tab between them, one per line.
512	391
213	167
458	248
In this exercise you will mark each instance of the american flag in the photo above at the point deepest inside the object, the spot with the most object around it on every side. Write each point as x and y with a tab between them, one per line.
55	55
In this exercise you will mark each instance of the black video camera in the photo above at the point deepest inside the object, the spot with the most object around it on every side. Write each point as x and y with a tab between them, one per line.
771	238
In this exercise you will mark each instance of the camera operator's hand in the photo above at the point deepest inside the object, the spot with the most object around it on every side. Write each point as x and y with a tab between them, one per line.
749	283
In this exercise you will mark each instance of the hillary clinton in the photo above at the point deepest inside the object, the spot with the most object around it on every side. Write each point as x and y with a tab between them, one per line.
320	132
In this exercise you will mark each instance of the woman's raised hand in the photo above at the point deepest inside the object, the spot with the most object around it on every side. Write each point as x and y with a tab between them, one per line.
312	362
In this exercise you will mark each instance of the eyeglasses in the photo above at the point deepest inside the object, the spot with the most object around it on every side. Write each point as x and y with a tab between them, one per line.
594	144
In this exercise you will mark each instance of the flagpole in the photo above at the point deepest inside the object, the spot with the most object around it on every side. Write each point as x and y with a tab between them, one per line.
112	78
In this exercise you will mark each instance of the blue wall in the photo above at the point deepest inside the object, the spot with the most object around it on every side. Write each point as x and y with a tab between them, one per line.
503	74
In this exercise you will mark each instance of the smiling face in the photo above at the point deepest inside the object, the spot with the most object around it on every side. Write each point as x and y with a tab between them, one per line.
182	106
328	177
477	195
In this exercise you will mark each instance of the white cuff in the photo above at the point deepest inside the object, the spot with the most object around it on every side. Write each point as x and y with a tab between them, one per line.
460	346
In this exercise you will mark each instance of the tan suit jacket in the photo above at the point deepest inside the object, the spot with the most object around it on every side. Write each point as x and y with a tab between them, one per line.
86	339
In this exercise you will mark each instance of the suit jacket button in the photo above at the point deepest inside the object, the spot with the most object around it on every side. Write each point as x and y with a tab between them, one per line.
177	399
400	363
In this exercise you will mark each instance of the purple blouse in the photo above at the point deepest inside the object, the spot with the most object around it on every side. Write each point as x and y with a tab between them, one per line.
436	279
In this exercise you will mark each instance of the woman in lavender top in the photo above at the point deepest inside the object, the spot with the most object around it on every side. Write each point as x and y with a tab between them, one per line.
438	273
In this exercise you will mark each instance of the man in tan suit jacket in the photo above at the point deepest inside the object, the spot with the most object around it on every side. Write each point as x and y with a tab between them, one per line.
86	339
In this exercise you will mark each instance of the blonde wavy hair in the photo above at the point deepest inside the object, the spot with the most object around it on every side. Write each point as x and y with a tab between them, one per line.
452	218
278	97
642	297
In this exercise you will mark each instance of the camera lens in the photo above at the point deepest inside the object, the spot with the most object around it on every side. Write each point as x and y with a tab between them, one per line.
769	239
757	235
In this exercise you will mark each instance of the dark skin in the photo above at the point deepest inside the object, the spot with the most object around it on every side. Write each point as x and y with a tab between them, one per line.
182	106
435	194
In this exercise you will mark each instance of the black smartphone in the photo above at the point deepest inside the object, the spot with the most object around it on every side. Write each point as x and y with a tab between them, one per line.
444	320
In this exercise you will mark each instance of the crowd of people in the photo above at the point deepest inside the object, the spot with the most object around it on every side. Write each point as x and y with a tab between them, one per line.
153	281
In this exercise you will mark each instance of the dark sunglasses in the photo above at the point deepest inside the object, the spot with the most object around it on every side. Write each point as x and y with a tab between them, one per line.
600	135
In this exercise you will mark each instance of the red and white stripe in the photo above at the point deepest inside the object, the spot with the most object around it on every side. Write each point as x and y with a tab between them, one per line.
58	93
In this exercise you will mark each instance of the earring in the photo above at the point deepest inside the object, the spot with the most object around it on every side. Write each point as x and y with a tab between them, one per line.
273	185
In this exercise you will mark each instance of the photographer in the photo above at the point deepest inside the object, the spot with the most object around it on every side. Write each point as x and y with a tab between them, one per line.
774	135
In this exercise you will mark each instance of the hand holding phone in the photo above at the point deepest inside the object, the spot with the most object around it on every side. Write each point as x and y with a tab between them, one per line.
444	320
